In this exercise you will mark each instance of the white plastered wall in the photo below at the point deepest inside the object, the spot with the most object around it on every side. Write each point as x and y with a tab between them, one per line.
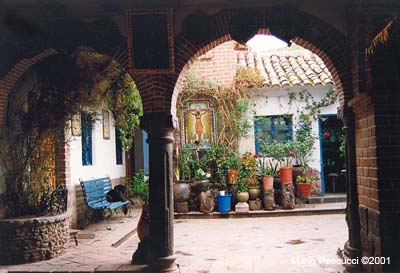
275	101
104	155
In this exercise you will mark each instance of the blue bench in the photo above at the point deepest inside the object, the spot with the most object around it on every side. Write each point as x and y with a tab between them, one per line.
95	194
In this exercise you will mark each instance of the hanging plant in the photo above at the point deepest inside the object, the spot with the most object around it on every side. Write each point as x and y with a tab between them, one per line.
123	100
116	87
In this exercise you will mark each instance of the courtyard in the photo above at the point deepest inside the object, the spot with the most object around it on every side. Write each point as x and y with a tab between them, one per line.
270	244
225	123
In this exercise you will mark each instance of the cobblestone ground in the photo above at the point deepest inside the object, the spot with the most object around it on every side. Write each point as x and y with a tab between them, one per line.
260	245
247	245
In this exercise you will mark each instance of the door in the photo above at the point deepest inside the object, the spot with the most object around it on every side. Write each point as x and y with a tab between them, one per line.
332	154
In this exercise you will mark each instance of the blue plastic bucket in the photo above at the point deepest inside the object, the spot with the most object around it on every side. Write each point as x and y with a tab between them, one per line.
224	202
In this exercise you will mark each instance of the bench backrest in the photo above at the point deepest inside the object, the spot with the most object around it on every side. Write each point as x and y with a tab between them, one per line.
95	190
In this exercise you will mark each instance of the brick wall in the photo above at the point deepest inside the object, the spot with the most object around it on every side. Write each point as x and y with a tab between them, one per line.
217	64
8	82
367	180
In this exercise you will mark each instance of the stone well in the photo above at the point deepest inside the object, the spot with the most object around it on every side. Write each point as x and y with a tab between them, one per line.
27	240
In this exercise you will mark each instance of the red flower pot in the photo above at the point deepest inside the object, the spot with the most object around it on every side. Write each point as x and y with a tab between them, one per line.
268	182
286	175
304	190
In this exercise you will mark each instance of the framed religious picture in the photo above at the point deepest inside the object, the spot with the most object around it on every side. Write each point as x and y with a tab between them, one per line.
150	41
76	129
198	124
106	124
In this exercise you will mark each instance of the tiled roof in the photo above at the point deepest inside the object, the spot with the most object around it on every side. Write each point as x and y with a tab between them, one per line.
286	68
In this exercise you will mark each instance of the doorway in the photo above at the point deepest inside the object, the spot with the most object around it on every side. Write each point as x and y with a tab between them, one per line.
332	154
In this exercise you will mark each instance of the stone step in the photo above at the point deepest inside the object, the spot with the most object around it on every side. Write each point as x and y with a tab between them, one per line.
328	198
308	209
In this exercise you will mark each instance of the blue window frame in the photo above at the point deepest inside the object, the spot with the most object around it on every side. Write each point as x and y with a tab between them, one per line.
87	154
118	147
269	128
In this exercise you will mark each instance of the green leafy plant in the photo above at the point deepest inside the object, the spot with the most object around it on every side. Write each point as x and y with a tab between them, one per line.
224	164
125	103
184	164
214	155
200	174
266	167
139	187
306	179
281	153
242	186
303	146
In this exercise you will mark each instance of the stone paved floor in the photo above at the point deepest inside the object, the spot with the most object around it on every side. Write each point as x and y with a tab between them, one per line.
217	245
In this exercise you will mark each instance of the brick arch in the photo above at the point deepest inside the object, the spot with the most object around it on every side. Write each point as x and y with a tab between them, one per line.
11	78
285	23
8	82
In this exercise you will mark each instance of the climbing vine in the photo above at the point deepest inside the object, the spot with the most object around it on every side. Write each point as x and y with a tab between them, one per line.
232	103
115	87
312	107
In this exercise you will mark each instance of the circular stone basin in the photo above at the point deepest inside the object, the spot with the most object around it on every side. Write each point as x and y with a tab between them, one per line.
33	239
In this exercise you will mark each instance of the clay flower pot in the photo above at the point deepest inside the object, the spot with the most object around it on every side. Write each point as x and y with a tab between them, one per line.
286	175
297	170
254	193
181	191
143	227
304	190
242	196
201	185
268	183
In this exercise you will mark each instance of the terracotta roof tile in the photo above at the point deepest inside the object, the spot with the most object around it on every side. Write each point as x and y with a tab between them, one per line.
286	68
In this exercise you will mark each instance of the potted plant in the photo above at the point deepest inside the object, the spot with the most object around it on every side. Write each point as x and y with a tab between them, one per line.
304	184
232	164
183	175
303	148
282	153
242	193
267	171
201	180
248	168
139	188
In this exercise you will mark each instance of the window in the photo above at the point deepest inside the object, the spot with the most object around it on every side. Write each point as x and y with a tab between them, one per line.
269	128
118	146
87	154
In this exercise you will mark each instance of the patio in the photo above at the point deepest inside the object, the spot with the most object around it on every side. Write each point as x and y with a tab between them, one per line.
214	245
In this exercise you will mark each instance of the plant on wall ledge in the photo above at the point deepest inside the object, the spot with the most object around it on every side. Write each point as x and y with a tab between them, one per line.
116	87
123	100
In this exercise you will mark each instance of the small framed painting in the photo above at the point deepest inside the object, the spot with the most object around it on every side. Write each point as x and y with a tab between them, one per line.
106	124
76	129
